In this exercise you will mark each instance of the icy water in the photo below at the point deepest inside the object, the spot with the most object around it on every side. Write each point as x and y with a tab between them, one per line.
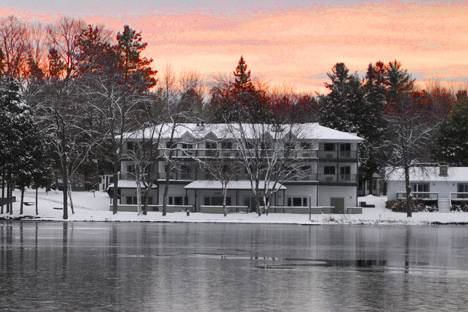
216	267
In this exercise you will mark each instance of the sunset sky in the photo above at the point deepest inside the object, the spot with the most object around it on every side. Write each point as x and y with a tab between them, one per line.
286	43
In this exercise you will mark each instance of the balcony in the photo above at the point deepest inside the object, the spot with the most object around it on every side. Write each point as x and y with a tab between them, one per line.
461	196
337	178
338	155
430	196
236	154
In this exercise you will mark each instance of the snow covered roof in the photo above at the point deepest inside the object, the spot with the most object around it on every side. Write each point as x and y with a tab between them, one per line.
232	185
312	131
428	174
128	184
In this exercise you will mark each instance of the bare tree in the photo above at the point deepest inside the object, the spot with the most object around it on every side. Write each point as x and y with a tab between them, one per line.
15	45
410	136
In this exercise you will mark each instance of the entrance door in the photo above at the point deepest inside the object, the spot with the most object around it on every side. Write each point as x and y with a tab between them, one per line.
338	203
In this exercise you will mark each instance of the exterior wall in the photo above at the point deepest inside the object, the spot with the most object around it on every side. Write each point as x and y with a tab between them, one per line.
444	188
326	192
302	190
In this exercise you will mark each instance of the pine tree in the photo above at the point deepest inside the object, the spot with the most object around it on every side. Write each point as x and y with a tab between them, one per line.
242	79
452	145
398	82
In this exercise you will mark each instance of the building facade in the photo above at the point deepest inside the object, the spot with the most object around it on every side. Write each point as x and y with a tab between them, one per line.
324	161
440	186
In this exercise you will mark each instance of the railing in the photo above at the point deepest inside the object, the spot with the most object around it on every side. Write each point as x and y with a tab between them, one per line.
337	178
337	155
169	208
419	195
300	209
204	175
459	196
219	209
235	153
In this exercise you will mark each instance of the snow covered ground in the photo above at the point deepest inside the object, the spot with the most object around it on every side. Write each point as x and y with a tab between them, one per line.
91	206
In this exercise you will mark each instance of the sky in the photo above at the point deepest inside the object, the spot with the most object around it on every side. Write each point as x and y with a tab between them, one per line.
290	44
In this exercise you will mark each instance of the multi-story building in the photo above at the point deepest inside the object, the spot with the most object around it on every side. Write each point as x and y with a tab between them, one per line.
329	159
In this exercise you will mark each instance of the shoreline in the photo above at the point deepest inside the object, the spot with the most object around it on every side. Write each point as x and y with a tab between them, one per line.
29	218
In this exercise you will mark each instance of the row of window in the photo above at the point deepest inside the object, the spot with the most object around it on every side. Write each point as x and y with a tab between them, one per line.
132	146
331	147
331	170
132	200
425	187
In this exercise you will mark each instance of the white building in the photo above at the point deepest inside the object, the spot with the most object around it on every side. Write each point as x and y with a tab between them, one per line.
330	156
436	185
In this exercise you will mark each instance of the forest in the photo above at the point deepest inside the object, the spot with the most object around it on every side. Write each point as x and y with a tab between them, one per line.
69	91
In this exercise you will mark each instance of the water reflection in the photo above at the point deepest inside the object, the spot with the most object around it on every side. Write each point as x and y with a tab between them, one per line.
180	267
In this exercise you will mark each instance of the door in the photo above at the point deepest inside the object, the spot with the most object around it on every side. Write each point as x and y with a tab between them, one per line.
338	203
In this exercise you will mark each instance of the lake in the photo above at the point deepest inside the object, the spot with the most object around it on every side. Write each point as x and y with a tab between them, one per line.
231	267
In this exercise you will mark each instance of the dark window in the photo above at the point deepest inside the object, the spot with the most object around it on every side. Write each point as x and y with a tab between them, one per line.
131	146
171	145
329	147
345	170
226	145
178	200
211	145
306	146
131	200
462	187
329	170
420	187
216	201
297	201
346	147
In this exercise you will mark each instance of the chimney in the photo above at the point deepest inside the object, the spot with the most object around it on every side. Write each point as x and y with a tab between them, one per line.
443	170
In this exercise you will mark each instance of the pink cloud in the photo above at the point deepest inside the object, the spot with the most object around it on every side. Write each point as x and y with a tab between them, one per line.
294	47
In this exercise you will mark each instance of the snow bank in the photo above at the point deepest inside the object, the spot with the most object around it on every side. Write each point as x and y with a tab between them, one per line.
95	207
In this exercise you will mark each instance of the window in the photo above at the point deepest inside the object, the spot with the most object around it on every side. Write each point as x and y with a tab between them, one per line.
178	200
329	170
211	145
346	147
132	200
171	145
329	147
462	187
420	187
297	201
216	201
306	146
345	170
131	168
185	172
226	145
131	146
187	146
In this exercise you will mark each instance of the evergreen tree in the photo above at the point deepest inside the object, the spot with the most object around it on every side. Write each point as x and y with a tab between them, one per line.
354	107
398	82
452	144
242	80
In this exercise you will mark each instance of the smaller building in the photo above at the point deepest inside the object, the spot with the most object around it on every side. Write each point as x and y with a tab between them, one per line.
437	185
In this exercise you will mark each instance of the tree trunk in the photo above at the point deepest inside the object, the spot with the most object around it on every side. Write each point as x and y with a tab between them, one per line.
224	200
70	196
9	198
115	189
22	200
65	193
37	197
145	200
3	190
138	194
409	211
